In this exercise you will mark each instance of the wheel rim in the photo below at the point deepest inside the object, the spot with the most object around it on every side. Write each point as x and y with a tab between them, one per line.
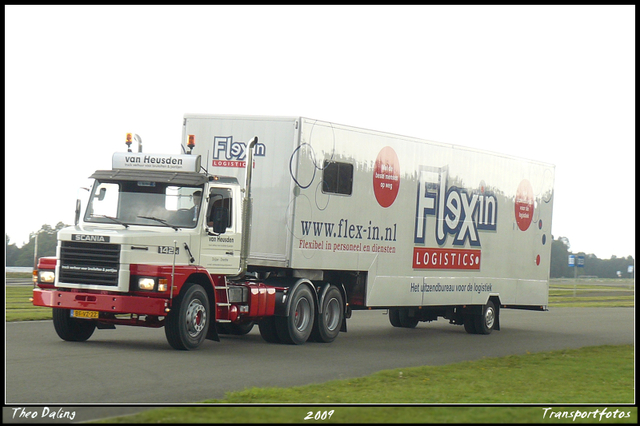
489	317
302	314
196	317
332	314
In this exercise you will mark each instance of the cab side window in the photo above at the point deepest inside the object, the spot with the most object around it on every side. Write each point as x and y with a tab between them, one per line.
219	209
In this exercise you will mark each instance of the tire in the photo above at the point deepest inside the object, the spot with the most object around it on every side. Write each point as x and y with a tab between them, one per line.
394	317
72	329
296	327
469	322
268	330
484	323
406	321
188	321
328	323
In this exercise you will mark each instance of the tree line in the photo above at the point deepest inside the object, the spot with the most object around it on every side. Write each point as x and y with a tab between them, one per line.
24	256
615	267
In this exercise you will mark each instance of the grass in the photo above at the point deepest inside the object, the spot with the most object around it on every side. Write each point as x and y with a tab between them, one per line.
19	308
593	375
18	274
573	293
571	377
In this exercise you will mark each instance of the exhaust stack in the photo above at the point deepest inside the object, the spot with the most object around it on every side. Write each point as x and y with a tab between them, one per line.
247	206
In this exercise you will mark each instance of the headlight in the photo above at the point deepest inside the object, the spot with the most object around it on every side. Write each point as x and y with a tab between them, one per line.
46	276
146	283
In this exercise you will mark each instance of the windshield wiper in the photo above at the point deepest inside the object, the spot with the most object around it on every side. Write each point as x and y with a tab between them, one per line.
157	219
111	218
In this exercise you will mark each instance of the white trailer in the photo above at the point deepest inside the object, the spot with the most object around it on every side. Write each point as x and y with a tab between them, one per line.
303	221
425	223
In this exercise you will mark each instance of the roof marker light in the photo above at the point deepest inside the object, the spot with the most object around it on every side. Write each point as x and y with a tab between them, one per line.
129	140
192	142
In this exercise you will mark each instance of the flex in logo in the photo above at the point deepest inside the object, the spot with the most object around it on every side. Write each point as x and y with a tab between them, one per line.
227	153
450	210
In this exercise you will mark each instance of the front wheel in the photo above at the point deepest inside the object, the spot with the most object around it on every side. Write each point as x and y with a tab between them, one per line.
188	321
72	329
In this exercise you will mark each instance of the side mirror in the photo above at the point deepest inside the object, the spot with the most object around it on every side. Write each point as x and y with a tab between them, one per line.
78	208
102	193
220	219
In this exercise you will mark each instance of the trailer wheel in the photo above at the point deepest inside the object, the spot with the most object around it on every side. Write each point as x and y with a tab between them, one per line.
484	323
297	326
327	326
187	323
72	329
268	330
394	317
469	322
406	321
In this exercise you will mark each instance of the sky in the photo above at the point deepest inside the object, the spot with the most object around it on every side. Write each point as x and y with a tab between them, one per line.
549	83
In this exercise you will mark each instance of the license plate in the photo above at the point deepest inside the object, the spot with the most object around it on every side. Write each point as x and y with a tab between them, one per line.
84	314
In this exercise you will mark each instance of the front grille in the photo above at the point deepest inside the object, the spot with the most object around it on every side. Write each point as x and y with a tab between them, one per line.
89	263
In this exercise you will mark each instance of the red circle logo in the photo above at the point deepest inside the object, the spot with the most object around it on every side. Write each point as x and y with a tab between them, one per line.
524	205
386	177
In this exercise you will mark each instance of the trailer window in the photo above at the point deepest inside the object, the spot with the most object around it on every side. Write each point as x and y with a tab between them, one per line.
337	178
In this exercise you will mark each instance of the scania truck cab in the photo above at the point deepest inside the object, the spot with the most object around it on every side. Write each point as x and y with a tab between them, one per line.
155	247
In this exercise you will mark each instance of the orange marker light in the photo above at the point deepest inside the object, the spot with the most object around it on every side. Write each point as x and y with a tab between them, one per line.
192	141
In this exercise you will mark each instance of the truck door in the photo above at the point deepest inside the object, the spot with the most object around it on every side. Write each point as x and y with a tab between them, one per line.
220	247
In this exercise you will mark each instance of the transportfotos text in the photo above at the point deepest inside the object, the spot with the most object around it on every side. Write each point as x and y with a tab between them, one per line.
598	414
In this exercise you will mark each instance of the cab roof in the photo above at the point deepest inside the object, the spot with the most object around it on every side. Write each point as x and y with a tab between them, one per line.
176	178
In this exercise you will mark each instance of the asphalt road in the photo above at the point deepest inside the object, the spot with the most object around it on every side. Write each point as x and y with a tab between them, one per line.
132	365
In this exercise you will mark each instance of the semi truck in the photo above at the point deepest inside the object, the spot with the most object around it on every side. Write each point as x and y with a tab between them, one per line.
291	224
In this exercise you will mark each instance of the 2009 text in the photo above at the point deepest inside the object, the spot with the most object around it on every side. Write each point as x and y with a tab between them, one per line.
319	415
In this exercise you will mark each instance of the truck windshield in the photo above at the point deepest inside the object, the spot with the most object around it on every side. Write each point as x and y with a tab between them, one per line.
144	203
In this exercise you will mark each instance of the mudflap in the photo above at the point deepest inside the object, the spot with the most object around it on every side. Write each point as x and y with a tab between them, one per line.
212	334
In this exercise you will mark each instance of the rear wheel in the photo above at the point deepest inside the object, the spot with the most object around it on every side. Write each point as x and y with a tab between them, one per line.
268	330
327	326
297	326
187	323
72	329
